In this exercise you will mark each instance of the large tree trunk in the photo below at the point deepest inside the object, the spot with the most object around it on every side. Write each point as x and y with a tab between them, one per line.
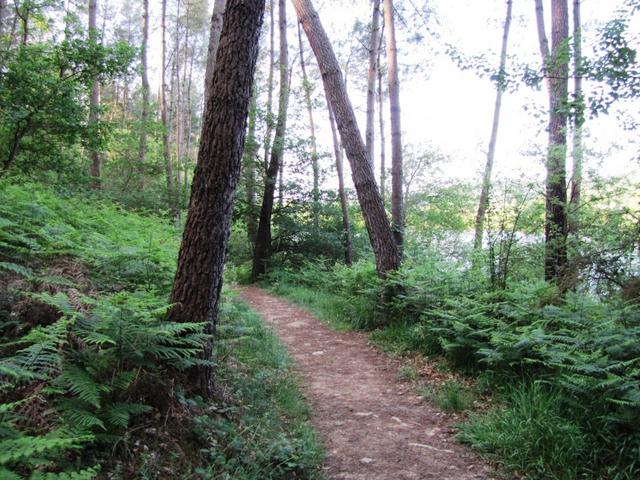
198	280
262	250
344	205
397	201
214	40
556	71
486	180
312	130
382	241
168	165
94	99
577	153
142	152
374	43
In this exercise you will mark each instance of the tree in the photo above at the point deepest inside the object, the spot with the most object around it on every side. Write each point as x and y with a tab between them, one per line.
198	280
144	121
168	164
94	105
397	202
306	86
556	71
383	167
578	122
380	236
344	204
214	40
483	204
374	56
262	250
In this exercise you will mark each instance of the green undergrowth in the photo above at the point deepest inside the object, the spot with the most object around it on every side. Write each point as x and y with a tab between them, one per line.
577	359
90	372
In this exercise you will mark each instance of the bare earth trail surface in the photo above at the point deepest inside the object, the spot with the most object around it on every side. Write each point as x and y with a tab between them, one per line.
372	425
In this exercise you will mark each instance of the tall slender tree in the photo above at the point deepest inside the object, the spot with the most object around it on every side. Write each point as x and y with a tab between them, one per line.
383	146
306	86
198	280
374	44
94	99
270	88
342	194
3	16
578	122
556	71
144	120
397	200
262	250
486	179
217	18
168	164
249	163
382	242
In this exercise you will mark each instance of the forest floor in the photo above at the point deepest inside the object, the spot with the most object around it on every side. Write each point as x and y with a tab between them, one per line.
372	424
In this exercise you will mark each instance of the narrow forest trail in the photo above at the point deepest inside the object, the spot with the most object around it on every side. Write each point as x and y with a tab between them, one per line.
372	425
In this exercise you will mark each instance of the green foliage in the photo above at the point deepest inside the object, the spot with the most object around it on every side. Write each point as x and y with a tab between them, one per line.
80	382
451	397
43	99
532	434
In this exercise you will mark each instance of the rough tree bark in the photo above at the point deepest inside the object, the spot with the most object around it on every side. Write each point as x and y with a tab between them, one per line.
556	71
198	280
397	201
306	85
262	250
382	241
344	205
168	165
214	40
486	180
94	99
144	120
577	152
374	42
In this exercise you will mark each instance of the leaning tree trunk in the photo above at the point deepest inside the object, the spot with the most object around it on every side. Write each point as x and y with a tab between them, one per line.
374	43
382	241
262	250
342	194
142	151
168	165
214	40
306	85
94	99
556	72
397	201
576	178
486	180
198	280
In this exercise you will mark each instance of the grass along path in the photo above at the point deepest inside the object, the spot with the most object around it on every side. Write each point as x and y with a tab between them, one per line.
372	425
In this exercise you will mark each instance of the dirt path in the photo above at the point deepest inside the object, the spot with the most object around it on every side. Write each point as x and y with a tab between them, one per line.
372	425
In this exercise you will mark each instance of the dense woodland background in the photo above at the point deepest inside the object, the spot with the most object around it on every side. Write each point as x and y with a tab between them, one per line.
279	148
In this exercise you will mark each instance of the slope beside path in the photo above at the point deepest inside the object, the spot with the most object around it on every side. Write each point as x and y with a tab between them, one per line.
372	425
